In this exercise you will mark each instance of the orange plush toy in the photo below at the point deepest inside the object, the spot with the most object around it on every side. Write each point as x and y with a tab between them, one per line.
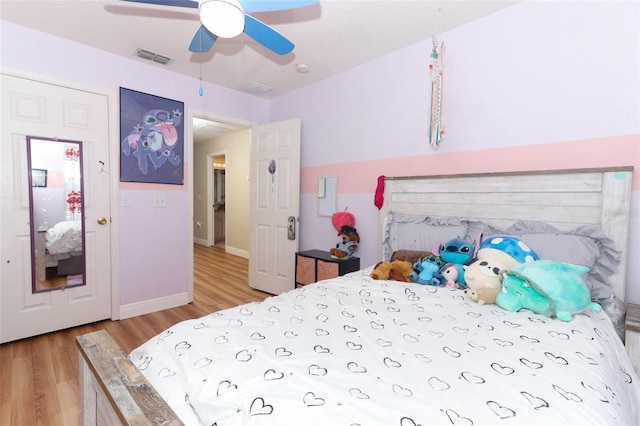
398	270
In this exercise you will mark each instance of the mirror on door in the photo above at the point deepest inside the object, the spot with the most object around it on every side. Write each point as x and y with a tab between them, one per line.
56	213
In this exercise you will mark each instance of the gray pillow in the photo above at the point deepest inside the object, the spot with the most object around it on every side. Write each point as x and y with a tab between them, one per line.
586	245
422	233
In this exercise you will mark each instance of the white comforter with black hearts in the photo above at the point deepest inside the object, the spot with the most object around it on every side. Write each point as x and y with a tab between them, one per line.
354	351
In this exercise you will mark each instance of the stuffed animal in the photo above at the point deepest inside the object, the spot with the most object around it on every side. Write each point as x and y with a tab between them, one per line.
554	289
496	254
483	273
348	243
449	274
381	271
508	251
398	270
458	252
427	271
483	295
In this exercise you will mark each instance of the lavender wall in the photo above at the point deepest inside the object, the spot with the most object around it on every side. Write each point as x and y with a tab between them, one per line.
542	74
154	243
551	75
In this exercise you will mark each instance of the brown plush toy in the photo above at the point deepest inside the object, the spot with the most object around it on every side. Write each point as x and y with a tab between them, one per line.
398	270
381	271
348	243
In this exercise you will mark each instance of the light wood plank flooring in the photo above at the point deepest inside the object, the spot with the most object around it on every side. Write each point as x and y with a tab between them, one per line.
39	375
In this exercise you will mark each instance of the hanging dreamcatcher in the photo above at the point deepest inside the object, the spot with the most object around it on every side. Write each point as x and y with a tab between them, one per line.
436	68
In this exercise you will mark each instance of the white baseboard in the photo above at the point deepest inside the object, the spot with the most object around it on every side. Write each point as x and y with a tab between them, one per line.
201	241
228	249
154	305
237	252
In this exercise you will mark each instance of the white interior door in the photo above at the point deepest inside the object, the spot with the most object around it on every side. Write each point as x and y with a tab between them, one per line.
275	197
35	108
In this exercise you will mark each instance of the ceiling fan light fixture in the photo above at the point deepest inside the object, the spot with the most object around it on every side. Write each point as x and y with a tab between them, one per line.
224	18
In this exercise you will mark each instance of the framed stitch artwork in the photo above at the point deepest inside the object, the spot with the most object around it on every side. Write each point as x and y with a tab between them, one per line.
152	138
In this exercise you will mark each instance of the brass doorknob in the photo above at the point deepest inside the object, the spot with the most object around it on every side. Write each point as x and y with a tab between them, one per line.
102	221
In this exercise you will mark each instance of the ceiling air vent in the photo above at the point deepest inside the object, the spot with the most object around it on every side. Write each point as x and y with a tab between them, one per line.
152	56
254	88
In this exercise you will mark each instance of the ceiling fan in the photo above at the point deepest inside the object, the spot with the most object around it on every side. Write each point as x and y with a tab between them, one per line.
228	19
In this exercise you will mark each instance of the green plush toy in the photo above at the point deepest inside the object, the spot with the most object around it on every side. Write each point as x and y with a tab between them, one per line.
554	289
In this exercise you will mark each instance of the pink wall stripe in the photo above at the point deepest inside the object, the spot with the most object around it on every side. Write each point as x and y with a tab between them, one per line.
157	186
361	177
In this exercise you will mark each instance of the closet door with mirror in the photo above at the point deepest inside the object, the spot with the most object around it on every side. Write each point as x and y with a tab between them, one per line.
55	190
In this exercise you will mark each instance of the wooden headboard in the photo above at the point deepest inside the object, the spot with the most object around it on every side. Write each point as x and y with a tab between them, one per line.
565	199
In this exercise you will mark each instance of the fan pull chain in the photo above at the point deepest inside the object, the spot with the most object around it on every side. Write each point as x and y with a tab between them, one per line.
200	90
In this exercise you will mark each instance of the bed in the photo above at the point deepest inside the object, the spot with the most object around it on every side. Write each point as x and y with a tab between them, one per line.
353	350
61	247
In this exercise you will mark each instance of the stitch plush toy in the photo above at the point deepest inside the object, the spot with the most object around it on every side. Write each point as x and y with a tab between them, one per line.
458	252
348	243
428	271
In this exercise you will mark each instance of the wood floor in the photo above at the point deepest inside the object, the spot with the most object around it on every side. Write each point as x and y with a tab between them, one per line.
39	375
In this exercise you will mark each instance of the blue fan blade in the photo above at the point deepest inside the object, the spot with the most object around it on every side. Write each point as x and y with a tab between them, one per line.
177	3
202	40
266	36
250	6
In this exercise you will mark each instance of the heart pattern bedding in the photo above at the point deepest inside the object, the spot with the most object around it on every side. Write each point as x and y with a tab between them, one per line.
355	351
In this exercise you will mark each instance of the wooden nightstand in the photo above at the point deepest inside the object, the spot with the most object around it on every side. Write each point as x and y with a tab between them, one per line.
317	265
632	335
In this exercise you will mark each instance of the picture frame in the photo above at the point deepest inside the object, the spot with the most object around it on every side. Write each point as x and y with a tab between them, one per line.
39	178
152	138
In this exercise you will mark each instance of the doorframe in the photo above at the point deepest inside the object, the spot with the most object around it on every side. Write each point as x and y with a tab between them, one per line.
205	115
112	168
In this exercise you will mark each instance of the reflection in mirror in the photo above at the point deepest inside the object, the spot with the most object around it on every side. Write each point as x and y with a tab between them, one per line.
56	213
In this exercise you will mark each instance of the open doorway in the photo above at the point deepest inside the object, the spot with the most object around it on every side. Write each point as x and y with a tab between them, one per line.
221	183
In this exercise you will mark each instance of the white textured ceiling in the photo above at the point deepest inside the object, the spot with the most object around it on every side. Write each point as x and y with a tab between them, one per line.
330	37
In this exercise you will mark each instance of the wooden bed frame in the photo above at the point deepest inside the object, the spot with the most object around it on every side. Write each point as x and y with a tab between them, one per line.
113	391
565	199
